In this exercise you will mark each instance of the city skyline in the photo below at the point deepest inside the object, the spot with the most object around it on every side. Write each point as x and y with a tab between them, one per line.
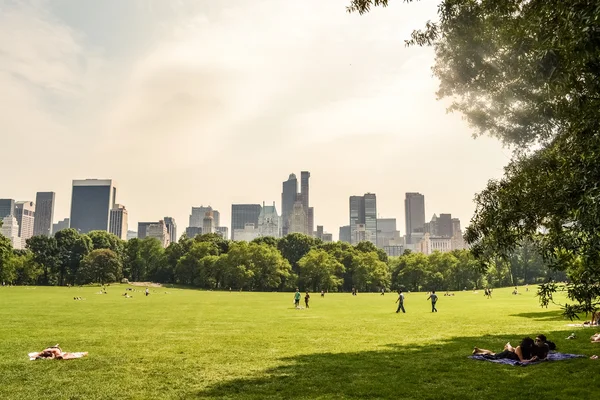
320	90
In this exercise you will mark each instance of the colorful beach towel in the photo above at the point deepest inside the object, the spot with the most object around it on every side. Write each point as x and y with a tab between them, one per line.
553	356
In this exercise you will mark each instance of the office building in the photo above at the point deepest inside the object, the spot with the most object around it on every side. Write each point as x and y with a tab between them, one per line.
158	230
242	214
118	221
208	223
132	235
193	231
298	219
171	228
25	215
91	202
319	232
60	225
269	222
247	234
363	216
44	213
304	197
223	231
10	229
414	209
440	226
345	234
7	207
311	221
327	237
387	235
198	214
142	231
288	198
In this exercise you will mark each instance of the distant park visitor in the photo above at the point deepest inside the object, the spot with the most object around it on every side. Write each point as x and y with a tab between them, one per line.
297	298
433	298
306	299
322	293
147	292
400	302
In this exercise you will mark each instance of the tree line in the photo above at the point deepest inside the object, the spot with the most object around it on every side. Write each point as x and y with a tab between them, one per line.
265	264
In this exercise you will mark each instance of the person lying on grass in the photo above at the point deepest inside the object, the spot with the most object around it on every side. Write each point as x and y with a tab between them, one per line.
528	351
595	338
55	352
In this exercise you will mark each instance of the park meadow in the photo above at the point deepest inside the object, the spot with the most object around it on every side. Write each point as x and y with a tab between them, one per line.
191	344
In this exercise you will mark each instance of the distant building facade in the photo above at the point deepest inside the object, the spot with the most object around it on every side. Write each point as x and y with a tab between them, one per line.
269	222
414	208
387	234
363	218
159	231
193	231
91	202
242	214
132	235
223	231
142	231
25	215
345	234
288	198
208	223
171	228
7	207
44	213
247	234
10	229
118	221
60	225
297	223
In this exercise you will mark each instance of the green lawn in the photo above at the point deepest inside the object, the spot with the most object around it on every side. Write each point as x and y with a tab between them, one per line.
197	344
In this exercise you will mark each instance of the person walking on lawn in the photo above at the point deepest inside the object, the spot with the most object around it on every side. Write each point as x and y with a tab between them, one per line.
433	298
400	302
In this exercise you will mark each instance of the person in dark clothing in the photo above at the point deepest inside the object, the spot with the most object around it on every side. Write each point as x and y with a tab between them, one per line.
400	302
434	299
306	299
528	351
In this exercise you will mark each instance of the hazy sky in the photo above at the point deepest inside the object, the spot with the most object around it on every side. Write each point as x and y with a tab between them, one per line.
204	102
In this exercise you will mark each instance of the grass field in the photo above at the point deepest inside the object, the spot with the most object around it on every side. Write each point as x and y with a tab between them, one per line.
197	344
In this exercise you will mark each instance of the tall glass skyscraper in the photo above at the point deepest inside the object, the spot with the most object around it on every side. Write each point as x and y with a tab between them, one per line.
7	207
44	213
91	202
288	198
363	218
414	207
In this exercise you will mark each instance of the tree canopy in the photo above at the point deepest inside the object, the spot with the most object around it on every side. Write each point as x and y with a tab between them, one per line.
526	72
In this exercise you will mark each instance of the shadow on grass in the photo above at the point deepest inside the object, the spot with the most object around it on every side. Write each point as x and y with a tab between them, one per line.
554	315
434	371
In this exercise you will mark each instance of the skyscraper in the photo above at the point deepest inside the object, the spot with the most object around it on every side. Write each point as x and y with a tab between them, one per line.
242	214
298	218
357	215
371	217
288	198
414	207
304	197
118	221
171	228
363	218
7	207
198	214
311	221
25	214
445	225
44	213
91	202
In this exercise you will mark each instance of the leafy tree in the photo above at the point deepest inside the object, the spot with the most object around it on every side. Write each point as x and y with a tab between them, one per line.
45	253
295	246
105	240
7	273
72	248
237	271
191	266
26	269
319	270
100	266
367	247
270	240
269	267
222	244
369	272
526	72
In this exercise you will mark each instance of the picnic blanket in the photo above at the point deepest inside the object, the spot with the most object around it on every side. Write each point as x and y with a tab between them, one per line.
66	356
553	356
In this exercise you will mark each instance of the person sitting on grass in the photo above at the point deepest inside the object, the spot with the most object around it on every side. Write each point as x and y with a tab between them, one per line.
528	351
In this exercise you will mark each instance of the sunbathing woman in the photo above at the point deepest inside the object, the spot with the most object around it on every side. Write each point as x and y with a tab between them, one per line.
56	352
527	351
